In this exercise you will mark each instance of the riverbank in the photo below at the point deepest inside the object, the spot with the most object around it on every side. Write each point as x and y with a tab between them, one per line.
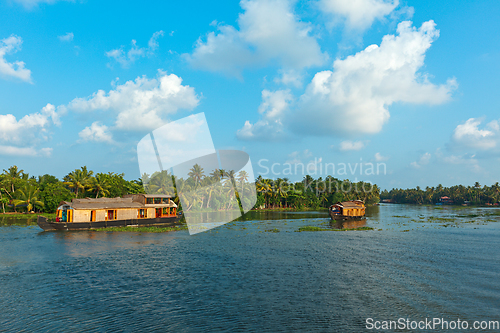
26	215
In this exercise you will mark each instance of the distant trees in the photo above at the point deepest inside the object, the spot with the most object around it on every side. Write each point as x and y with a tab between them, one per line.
459	194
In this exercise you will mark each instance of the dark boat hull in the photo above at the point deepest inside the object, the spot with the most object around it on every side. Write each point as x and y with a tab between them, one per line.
47	225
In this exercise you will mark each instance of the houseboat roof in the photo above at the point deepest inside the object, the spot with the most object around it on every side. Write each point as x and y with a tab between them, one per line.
111	203
103	203
150	195
350	204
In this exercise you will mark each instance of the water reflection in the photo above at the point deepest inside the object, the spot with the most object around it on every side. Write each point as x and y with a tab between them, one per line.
348	224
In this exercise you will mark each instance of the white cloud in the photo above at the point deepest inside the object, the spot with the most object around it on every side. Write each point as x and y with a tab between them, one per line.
468	160
358	14
142	104
30	128
125	59
354	97
351	145
14	69
66	38
468	135
424	160
24	151
29	4
290	78
380	158
273	107
96	133
21	137
269	31
296	157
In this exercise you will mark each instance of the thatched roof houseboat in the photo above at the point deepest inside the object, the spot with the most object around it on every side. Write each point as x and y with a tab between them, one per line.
131	210
354	209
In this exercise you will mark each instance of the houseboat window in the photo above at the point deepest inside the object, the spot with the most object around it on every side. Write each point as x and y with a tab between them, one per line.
149	201
166	211
111	214
157	200
92	216
165	200
143	213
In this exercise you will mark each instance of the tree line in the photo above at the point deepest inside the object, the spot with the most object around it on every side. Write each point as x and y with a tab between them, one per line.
20	191
312	193
220	189
459	194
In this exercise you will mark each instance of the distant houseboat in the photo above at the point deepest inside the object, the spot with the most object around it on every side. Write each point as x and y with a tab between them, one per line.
131	210
346	210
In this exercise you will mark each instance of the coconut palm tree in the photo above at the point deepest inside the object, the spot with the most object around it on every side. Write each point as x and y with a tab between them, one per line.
100	184
197	173
28	195
242	178
80	179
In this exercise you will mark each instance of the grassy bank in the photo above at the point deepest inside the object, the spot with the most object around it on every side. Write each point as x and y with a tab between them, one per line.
26	215
314	228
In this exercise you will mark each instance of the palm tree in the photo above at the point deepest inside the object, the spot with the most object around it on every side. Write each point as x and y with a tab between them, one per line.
28	195
197	173
11	177
242	178
100	184
2	188
79	179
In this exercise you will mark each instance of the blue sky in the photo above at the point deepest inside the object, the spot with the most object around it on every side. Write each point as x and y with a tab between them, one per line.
411	84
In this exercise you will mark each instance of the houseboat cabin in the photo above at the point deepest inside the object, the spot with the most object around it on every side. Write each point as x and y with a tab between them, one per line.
347	209
130	207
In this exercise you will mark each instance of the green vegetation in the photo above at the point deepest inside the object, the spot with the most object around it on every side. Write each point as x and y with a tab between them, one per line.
220	190
310	193
143	229
314	228
19	191
273	230
458	194
311	228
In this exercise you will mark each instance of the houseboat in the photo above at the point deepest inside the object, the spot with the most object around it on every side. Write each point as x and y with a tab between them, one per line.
132	210
347	210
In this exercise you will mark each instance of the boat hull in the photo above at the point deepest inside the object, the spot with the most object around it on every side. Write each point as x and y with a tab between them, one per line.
47	225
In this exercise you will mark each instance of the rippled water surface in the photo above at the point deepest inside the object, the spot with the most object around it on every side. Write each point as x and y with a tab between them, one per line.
257	274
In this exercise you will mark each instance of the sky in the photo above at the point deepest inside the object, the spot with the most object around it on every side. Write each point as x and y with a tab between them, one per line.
398	93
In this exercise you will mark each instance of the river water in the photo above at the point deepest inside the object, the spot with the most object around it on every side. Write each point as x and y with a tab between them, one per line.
256	274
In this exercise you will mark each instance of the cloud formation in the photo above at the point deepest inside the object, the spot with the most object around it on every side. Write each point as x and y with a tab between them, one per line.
20	137
268	31
423	160
270	127
351	145
125	59
358	14
29	4
468	135
354	97
68	37
96	132
143	104
14	69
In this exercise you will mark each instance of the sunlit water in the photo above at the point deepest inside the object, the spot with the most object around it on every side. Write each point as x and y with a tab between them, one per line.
418	262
